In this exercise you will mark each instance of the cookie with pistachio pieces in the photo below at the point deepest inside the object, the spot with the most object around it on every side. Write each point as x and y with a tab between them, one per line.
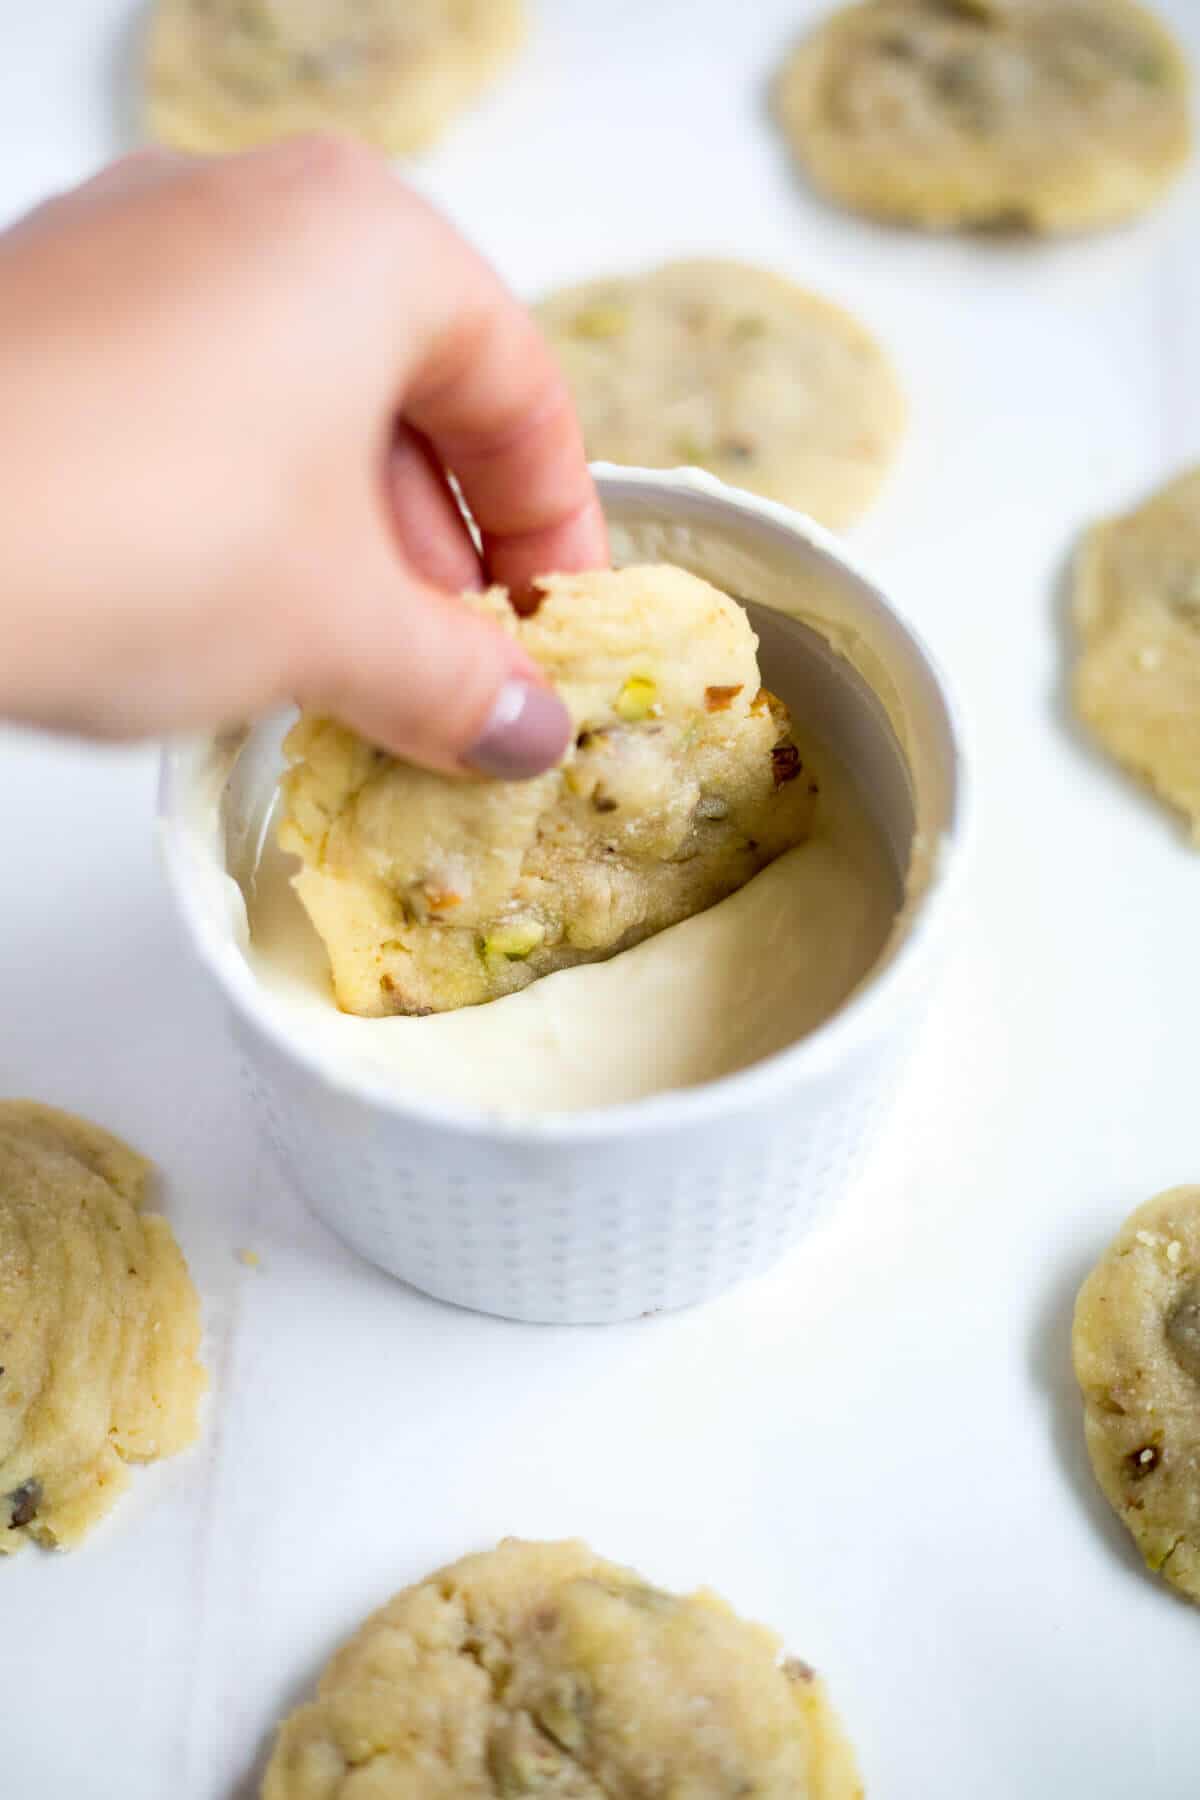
539	1669
432	892
735	370
1136	1347
1035	115
1136	683
227	74
99	1326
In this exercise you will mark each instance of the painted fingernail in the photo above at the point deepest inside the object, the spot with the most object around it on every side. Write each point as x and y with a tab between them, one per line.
527	732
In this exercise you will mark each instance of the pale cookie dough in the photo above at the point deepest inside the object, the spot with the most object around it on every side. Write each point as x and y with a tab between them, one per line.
1038	115
1137	1359
433	892
226	74
1137	615
734	370
538	1669
99	1326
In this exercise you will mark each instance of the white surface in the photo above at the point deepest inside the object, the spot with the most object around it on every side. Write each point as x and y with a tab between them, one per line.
878	1447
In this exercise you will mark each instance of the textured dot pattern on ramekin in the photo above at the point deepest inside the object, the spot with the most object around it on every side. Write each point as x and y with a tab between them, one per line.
573	1232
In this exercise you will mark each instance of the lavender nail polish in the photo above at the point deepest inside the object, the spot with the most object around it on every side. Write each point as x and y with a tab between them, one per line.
527	732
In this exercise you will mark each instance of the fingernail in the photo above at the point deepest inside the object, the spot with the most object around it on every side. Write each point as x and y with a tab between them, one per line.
527	732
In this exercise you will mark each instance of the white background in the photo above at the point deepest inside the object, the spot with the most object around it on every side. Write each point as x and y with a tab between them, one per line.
878	1448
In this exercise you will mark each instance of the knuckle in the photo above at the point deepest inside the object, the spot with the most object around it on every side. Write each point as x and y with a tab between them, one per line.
321	176
333	168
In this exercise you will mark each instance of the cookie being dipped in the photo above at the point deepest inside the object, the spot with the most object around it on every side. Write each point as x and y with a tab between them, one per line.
432	892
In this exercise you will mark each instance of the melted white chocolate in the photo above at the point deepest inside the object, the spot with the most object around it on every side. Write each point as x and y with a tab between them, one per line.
701	1000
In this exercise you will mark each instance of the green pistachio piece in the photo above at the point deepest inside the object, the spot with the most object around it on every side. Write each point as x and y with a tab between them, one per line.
636	699
516	941
518	1771
560	1713
1151	71
1183	1332
690	450
980	12
598	322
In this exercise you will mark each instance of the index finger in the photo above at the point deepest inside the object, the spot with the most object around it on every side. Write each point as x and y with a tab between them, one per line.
490	398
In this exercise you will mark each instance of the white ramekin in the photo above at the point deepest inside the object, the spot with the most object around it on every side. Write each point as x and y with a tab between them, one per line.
602	1215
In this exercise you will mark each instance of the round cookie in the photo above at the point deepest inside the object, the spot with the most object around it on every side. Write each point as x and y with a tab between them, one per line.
1137	617
1136	1347
538	1669
1038	115
227	74
431	892
99	1326
734	370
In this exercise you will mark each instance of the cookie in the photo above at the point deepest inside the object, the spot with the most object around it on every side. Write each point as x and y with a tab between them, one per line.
538	1669
1137	1359
1137	617
432	892
1035	115
227	74
734	370
99	1326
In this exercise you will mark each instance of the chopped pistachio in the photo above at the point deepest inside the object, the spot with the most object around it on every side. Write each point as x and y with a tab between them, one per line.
1183	1332
980	12
516	941
690	450
1184	594
253	19
636	699
959	77
747	326
600	321
519	1770
560	1714
1151	71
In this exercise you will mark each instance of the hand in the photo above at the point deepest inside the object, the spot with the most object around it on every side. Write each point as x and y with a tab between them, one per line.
231	393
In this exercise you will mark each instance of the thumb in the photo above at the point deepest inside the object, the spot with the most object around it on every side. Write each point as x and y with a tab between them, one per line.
421	675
